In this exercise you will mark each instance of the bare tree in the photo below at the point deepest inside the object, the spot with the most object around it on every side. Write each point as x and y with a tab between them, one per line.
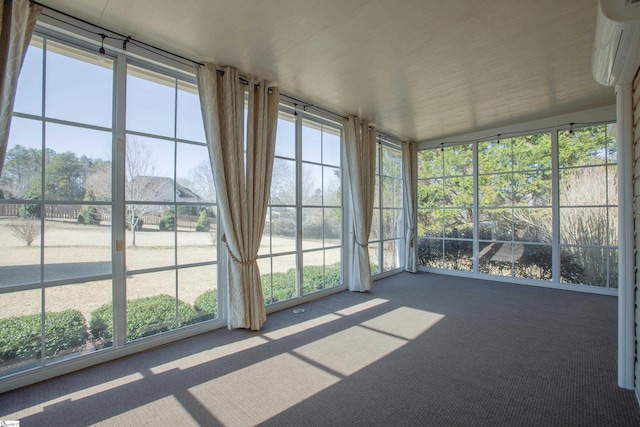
138	163
26	229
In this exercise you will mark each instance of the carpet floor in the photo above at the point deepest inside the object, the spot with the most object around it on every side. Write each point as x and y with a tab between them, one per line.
418	350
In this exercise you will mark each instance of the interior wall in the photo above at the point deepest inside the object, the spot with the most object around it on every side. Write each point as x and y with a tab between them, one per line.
636	214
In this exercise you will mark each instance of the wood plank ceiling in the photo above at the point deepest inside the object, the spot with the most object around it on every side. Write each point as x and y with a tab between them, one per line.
419	69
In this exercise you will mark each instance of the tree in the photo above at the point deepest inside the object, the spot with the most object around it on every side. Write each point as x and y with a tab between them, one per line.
26	229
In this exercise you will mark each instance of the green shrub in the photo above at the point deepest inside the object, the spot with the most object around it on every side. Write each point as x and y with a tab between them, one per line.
89	215
29	211
20	336
207	304
145	316
167	220
203	223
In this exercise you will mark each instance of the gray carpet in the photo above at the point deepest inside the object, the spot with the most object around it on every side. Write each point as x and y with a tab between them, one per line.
423	350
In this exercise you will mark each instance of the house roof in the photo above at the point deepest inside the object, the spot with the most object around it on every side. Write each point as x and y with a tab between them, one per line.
151	188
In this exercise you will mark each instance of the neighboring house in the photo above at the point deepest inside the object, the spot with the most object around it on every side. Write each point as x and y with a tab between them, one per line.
159	189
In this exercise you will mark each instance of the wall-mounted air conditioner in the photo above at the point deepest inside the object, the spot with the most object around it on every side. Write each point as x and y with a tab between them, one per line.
616	49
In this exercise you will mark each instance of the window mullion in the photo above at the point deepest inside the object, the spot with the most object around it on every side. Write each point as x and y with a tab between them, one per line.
118	192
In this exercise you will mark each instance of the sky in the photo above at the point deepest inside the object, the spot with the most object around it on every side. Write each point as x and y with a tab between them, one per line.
79	88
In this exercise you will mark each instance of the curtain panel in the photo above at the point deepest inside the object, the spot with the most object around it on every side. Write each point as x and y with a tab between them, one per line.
242	193
18	20
360	147
410	187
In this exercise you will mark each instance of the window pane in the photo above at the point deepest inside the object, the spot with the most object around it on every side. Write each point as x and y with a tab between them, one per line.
311	141
391	192
583	187
391	255
22	171
430	192
495	224
585	226
612	185
332	262
193	171
312	272
457	191
149	167
495	258
265	240
531	189
374	234
330	146
151	304
77	243
495	190
150	236
331	186
283	229
494	156
458	223
286	136
458	255
430	253
312	228
430	222
376	192
20	330
283	182
20	234
430	164
75	319
76	158
585	266
534	262
29	92
150	102
189	124
532	152
79	86
586	146
613	268
311	184
458	160
374	258
198	286
332	228
532	225
264	265
196	234
392	223
283	278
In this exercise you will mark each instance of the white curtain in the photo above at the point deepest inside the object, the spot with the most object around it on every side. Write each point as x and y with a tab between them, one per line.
17	20
360	145
410	186
242	196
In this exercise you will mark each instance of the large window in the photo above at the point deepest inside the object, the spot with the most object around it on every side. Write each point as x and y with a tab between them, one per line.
321	205
514	215
387	237
588	193
445	208
170	212
502	220
55	257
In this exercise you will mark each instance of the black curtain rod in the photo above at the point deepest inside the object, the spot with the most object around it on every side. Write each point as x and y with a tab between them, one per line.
128	38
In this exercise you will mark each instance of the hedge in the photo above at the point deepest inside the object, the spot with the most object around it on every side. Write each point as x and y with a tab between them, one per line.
145	316
20	336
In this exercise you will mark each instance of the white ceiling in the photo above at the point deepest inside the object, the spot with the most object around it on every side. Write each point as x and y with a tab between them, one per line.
419	69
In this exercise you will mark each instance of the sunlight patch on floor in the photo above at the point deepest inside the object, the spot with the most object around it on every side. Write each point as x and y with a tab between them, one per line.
208	356
258	392
404	322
